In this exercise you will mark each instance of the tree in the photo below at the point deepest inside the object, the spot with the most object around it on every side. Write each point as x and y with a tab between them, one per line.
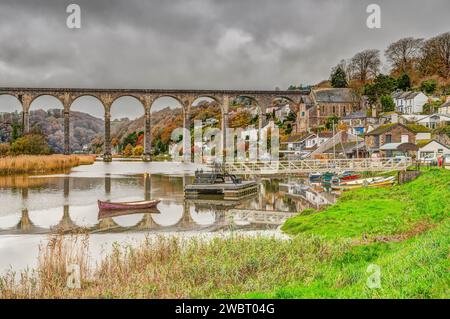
31	144
387	103
365	65
436	56
330	121
403	54
338	77
428	86
128	151
403	82
382	85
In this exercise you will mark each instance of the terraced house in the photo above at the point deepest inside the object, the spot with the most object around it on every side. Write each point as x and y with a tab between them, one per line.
395	139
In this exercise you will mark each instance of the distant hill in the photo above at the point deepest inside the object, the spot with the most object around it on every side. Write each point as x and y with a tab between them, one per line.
83	127
87	131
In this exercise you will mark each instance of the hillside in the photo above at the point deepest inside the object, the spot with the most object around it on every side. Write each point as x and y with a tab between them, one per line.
84	127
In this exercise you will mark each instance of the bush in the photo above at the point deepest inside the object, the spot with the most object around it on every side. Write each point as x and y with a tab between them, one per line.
128	151
387	103
428	86
138	150
32	144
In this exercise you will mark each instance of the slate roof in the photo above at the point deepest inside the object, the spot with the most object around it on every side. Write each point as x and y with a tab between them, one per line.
335	95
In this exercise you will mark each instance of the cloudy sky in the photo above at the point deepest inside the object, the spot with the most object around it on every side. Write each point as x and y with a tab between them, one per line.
205	44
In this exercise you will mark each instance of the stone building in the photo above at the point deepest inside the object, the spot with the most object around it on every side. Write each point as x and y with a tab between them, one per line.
389	137
321	104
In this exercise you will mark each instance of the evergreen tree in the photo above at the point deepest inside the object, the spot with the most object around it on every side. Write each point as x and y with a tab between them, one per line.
404	82
338	77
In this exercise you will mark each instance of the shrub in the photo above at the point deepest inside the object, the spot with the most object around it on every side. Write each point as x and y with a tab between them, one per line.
128	151
32	144
387	103
138	150
428	86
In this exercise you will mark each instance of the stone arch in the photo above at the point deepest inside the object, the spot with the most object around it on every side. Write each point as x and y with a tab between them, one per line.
179	99
76	97
34	97
121	95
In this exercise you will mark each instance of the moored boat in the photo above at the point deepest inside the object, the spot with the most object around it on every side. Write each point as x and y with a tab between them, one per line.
143	204
366	182
348	176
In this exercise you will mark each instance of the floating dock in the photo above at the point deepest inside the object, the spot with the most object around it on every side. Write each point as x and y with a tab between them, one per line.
230	191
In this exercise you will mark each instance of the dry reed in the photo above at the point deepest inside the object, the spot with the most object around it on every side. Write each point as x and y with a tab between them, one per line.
172	268
31	164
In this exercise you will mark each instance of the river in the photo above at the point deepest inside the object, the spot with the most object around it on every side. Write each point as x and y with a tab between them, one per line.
31	207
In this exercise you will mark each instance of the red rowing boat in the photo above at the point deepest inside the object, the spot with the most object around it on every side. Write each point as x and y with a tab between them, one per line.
350	177
143	204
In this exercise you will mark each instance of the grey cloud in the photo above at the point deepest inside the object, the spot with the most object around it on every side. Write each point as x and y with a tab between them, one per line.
180	43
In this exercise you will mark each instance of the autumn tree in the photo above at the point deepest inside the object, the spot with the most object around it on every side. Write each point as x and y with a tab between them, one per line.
365	65
436	56
128	151
403	54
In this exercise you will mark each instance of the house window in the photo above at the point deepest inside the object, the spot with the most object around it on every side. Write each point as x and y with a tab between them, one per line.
388	138
405	138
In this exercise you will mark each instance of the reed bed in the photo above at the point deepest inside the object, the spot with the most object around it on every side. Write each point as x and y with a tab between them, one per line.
166	267
31	164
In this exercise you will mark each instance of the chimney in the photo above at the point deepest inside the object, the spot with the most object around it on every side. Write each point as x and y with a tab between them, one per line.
394	118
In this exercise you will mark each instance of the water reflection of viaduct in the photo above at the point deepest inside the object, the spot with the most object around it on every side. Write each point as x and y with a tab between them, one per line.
186	98
106	223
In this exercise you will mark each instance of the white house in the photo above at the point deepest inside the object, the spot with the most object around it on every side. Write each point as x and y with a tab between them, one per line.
445	108
409	102
435	120
431	150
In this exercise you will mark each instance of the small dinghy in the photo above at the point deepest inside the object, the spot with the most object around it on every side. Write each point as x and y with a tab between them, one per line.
142	204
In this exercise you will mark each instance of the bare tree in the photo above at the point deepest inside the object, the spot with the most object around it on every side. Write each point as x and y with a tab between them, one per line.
365	65
403	54
436	56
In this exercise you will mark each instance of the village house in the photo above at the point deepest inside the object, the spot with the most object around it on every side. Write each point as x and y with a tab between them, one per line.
358	123
444	108
301	145
431	121
341	145
409	102
430	150
395	139
435	120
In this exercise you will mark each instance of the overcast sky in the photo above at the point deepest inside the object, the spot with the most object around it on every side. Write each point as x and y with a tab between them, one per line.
204	44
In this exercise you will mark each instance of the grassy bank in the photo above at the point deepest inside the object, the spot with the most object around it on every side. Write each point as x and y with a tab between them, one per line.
403	230
31	164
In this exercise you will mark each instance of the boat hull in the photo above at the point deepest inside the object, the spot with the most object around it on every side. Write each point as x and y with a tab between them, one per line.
127	205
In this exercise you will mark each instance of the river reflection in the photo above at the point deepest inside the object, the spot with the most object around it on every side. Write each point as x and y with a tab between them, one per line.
68	203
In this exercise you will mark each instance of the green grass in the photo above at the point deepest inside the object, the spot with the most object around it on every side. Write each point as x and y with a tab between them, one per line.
403	230
415	268
412	220
380	211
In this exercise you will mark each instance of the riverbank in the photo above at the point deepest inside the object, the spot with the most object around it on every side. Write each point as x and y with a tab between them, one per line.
403	230
40	164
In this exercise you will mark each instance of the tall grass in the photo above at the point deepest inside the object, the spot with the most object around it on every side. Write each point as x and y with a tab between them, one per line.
28	164
174	268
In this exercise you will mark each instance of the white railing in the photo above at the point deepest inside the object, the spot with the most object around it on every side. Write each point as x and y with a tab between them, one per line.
316	165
